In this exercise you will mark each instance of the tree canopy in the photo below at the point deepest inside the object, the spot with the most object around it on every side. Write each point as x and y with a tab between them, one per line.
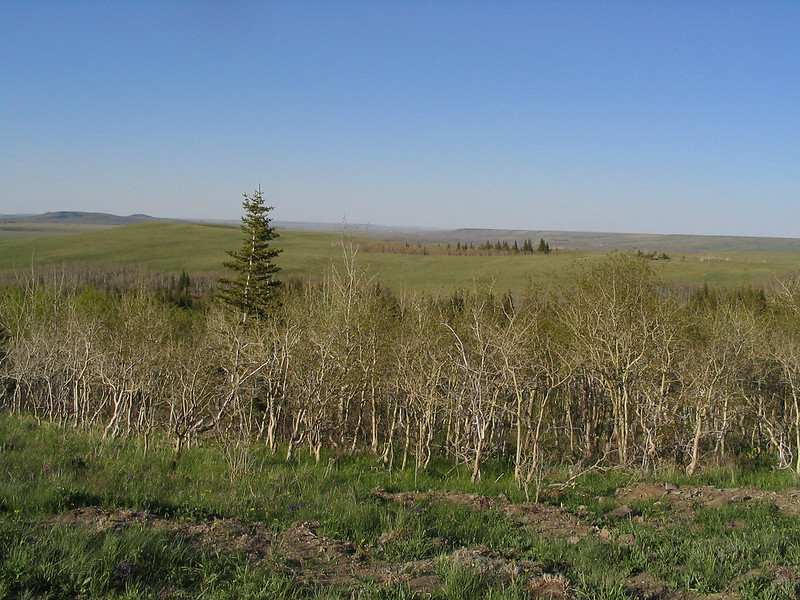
252	289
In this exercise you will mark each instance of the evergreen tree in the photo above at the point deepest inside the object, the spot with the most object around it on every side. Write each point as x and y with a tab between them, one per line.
544	247
252	289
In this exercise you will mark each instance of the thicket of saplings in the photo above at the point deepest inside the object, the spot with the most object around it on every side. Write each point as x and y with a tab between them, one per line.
610	370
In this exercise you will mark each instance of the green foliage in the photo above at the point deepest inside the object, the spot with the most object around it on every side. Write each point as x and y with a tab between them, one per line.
178	291
251	292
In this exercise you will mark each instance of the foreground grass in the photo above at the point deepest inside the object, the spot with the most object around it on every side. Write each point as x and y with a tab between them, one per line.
48	471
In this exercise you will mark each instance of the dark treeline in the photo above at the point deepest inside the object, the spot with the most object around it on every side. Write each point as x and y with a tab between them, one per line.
181	288
487	248
610	370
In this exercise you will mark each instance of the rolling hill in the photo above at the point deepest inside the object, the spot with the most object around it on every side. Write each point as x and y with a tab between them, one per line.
175	246
73	217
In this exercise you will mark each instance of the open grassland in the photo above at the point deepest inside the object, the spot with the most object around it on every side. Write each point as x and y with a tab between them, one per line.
86	517
166	246
12	230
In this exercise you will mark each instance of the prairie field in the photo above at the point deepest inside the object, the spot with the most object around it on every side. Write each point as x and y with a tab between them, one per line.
196	248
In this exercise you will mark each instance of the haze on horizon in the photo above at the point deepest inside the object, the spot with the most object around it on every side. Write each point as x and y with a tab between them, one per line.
678	117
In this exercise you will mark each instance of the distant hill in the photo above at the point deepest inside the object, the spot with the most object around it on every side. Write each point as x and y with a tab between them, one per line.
71	217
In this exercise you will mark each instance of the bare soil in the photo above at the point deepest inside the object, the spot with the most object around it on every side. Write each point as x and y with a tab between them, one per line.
686	499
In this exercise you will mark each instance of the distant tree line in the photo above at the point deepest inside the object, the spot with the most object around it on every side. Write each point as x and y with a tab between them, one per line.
611	369
487	248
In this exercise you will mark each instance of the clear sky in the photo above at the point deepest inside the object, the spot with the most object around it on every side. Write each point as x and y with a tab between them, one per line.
656	117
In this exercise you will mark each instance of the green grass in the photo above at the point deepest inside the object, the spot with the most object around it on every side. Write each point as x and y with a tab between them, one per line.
167	246
9	231
48	470
161	246
61	561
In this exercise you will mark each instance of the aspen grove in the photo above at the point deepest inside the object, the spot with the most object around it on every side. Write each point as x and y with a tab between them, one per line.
612	369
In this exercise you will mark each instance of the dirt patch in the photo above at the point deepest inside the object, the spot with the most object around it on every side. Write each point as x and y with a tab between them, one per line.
498	566
301	542
643	492
485	561
686	499
541	518
314	559
787	574
646	587
221	536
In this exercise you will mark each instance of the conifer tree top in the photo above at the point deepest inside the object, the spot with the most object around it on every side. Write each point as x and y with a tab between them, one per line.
252	289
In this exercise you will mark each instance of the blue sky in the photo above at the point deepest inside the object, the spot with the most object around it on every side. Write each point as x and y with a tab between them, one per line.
653	117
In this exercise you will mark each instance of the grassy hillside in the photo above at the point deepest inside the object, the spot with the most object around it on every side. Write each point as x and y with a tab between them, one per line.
170	246
166	246
14	230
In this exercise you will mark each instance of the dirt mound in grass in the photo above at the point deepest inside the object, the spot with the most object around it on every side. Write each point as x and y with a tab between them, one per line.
506	568
686	499
541	518
645	587
315	560
222	536
422	576
302	543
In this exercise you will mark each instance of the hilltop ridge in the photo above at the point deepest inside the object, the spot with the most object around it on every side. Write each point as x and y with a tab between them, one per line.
75	217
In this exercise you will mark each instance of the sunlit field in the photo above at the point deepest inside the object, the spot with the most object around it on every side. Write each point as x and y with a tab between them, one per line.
177	247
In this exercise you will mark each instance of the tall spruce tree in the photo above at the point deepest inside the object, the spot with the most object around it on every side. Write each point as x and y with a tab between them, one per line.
253	288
